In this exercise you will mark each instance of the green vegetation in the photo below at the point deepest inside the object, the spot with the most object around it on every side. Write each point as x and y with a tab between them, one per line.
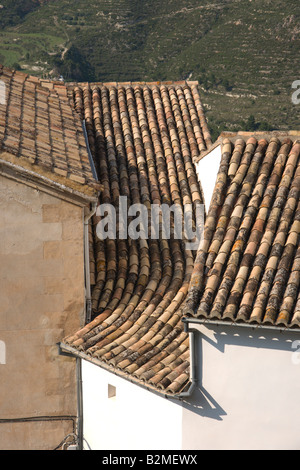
245	54
13	12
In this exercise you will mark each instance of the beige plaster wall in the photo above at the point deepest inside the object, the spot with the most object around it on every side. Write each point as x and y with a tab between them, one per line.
41	301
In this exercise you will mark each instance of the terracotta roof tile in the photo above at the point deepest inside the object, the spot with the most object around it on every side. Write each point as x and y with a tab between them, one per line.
39	127
247	269
144	138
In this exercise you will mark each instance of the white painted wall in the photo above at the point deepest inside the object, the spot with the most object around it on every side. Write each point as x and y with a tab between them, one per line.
248	396
247	399
135	419
207	171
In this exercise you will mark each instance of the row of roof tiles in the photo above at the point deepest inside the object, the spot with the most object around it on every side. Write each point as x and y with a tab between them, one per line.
247	268
40	128
250	198
144	139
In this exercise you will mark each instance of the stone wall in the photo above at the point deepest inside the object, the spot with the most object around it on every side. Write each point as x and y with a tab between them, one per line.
41	301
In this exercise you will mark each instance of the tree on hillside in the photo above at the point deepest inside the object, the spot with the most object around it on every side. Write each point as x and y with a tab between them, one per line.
74	66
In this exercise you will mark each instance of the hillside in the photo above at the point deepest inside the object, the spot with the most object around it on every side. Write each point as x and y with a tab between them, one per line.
244	53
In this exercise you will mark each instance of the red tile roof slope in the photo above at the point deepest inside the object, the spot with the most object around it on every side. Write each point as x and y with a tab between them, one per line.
248	266
144	138
40	128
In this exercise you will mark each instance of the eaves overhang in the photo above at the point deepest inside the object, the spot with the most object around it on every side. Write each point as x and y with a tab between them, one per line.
187	321
65	349
20	170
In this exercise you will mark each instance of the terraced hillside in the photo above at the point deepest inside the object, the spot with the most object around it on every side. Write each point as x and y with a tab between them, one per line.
244	53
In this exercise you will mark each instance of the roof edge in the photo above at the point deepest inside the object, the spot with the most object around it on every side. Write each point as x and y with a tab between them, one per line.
20	169
292	134
203	154
65	348
244	324
133	83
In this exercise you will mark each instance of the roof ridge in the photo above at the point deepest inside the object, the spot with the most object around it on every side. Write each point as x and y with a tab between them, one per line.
42	83
135	83
293	134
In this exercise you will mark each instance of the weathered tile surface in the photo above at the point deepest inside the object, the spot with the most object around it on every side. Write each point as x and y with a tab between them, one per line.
247	269
145	138
39	126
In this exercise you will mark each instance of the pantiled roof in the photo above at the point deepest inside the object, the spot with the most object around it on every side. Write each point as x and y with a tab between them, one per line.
144	138
40	131
247	268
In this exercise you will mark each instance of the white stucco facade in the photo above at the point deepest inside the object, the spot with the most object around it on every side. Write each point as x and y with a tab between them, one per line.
207	169
133	419
248	394
247	397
